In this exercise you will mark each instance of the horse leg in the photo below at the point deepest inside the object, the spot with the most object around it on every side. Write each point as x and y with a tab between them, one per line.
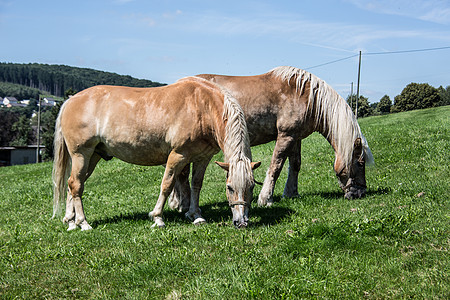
282	146
295	161
198	173
70	209
175	164
180	197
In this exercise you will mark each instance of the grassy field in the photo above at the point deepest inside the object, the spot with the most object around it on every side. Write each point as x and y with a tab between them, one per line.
391	244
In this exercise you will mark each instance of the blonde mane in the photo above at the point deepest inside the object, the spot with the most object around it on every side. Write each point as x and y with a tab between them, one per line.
236	143
332	113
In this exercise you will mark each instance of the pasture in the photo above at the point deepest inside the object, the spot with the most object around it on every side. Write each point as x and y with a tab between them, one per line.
391	244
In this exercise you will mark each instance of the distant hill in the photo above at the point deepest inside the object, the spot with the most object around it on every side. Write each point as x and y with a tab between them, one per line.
56	79
18	91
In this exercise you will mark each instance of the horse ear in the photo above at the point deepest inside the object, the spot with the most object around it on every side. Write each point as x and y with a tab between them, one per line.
225	166
255	165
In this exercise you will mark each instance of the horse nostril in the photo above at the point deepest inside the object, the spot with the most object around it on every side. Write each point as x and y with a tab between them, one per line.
239	224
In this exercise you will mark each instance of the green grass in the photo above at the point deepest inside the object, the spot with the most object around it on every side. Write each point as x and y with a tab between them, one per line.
390	244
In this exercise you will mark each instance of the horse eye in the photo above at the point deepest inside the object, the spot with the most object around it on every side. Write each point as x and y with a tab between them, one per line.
230	189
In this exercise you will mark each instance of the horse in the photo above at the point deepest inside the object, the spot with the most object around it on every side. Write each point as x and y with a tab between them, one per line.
178	124
288	104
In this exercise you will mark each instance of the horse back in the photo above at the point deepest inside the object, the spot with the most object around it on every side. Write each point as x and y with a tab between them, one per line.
271	106
140	125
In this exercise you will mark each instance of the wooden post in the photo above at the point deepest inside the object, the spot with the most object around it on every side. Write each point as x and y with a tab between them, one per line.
38	130
357	89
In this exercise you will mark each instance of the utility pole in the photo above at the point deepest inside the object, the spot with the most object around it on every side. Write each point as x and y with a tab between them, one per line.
351	97
38	130
357	89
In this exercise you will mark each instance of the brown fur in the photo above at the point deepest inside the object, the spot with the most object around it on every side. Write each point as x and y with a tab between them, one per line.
287	105
173	125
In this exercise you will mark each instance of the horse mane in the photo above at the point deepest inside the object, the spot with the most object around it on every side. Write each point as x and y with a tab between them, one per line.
236	143
332	112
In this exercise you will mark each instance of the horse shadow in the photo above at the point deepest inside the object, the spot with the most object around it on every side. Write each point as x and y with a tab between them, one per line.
336	194
220	214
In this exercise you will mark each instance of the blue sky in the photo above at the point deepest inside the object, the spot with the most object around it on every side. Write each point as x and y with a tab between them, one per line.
166	40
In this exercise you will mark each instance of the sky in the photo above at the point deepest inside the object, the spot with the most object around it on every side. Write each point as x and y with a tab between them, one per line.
166	40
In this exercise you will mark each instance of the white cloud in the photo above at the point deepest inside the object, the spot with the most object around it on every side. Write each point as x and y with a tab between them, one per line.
438	15
122	1
333	35
436	11
140	18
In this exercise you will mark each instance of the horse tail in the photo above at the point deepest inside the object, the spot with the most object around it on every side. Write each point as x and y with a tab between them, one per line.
61	162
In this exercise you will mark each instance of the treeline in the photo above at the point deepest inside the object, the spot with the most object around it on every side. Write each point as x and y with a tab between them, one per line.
56	79
21	92
414	96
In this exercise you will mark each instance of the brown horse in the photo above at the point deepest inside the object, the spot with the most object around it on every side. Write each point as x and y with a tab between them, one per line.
287	105
188	121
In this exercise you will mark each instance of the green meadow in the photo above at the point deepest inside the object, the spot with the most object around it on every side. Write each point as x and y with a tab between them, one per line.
391	244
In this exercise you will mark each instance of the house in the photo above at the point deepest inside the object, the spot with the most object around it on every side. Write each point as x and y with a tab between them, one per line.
10	101
48	101
10	156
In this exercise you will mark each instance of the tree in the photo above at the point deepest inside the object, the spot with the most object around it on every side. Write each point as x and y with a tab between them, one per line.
445	96
22	131
69	92
416	96
7	119
48	119
364	108
384	106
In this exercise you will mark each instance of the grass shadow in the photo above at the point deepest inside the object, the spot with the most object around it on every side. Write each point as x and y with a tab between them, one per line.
336	194
213	213
220	212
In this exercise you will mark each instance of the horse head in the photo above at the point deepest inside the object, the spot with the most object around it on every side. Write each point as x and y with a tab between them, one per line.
240	184
352	176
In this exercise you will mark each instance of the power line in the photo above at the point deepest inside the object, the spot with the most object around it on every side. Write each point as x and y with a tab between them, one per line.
332	62
378	53
406	51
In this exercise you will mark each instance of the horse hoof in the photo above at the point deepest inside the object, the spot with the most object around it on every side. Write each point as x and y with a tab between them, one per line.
72	226
85	227
158	223
199	221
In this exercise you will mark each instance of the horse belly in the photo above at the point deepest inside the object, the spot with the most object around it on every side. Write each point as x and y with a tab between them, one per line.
147	153
261	130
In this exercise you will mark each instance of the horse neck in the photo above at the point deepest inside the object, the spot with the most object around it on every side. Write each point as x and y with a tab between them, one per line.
335	121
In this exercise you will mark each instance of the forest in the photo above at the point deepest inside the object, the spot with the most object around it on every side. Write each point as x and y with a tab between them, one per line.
56	79
32	81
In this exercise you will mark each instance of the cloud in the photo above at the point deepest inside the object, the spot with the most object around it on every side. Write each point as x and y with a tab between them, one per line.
436	11
141	19
122	1
341	36
172	15
437	15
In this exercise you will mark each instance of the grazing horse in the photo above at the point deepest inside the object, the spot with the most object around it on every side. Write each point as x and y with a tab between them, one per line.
188	121
287	104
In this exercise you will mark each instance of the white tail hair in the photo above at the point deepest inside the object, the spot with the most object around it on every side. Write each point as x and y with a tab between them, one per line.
61	166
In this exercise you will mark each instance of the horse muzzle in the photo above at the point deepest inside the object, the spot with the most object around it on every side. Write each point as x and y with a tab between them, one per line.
240	214
354	191
240	224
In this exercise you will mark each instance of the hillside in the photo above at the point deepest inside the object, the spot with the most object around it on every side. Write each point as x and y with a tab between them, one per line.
391	244
56	79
